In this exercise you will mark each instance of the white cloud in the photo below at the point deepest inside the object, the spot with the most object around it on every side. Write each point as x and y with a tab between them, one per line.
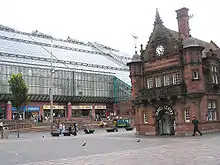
110	22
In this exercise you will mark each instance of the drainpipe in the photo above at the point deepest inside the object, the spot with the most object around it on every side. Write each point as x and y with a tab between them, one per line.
199	115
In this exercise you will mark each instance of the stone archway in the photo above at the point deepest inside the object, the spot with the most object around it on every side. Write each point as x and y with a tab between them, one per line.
165	108
164	120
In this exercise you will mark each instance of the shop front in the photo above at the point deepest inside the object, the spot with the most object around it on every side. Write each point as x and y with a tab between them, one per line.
18	114
58	111
81	110
2	112
32	112
26	112
100	111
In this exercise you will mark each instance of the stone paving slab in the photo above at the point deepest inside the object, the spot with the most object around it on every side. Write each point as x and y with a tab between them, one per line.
190	152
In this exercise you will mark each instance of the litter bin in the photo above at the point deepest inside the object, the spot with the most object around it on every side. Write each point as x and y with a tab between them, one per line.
5	133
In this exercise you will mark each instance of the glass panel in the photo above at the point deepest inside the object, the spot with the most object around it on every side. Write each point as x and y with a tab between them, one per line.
150	83
213	104
176	78
209	105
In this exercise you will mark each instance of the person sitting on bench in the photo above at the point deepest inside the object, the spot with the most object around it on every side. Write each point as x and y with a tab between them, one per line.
70	129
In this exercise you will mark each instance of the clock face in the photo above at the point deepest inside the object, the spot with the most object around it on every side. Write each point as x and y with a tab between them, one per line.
160	50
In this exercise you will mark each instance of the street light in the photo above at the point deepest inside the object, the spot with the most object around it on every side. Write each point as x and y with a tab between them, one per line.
51	87
51	76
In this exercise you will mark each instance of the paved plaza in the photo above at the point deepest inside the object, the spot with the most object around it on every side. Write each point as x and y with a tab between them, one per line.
103	148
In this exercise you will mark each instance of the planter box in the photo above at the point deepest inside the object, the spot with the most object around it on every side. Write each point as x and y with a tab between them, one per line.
129	128
112	129
66	134
91	131
55	134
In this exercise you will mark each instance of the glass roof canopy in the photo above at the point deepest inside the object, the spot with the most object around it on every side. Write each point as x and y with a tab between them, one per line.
35	49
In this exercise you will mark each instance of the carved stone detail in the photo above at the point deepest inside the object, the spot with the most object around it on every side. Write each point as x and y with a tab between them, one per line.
160	36
163	92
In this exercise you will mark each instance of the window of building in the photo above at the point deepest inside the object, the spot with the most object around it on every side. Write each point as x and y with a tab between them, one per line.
215	77
212	108
167	80
80	112
145	117
195	75
30	72
158	81
187	115
150	83
176	78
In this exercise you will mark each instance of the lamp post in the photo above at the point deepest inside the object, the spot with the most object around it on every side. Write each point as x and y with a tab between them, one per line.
51	87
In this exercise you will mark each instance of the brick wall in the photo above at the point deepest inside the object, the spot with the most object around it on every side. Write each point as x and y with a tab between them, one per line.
125	108
183	21
161	63
147	129
197	108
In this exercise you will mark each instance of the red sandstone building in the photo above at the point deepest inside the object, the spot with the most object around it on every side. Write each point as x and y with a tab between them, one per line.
175	78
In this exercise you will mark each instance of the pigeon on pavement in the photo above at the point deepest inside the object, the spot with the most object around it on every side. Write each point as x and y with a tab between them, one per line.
84	144
139	140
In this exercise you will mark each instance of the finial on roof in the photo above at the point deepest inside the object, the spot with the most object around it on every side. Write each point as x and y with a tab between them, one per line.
135	37
158	20
141	50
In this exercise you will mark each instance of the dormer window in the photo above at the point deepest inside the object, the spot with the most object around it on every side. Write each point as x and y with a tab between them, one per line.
195	75
215	75
214	68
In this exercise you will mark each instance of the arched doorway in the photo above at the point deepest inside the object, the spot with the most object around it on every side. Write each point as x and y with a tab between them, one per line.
165	120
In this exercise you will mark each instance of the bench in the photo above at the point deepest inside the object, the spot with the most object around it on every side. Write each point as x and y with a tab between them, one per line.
129	128
55	134
90	131
66	133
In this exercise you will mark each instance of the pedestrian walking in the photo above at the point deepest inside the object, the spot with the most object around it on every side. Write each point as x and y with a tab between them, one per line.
75	129
60	128
1	129
64	128
196	124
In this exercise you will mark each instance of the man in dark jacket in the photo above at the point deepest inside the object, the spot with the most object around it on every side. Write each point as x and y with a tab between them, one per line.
196	124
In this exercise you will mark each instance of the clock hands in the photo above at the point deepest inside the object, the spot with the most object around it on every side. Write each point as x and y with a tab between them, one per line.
159	50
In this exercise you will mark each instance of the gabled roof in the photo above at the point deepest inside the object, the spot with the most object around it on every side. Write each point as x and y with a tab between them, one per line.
35	49
204	44
163	31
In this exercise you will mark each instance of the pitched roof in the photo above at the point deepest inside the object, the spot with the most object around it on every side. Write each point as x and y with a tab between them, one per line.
204	44
35	49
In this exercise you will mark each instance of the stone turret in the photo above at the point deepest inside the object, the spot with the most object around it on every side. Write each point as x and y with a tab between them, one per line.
135	74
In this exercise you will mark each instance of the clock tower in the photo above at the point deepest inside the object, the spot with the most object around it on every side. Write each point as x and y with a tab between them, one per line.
161	43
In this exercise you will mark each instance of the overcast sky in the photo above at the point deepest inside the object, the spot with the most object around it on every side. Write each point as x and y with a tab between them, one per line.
110	22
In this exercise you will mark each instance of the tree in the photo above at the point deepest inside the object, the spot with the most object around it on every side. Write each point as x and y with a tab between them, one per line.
19	93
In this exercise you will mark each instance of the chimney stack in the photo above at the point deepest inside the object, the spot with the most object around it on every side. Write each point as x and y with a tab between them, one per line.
183	21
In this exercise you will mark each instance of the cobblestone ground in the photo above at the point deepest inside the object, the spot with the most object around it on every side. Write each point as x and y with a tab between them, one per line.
119	149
